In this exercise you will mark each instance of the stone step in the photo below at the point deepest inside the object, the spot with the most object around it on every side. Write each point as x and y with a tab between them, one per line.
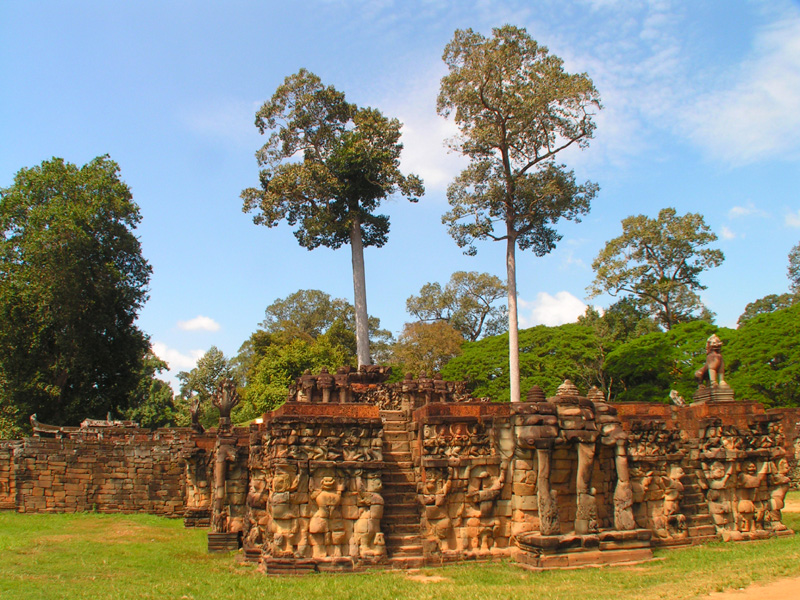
398	485
399	528
400	447
407	550
406	562
395	436
393	415
397	498
401	518
392	477
403	539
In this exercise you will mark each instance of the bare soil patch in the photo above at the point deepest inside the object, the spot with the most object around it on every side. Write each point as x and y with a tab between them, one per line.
783	589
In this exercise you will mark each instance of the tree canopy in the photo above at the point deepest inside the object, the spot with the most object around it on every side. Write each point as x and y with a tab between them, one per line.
72	281
548	355
767	304
326	166
658	262
468	302
763	358
794	269
427	347
515	108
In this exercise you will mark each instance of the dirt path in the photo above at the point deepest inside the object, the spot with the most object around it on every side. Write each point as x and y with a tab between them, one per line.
783	589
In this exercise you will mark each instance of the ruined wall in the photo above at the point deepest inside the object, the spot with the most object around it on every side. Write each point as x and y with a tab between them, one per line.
121	469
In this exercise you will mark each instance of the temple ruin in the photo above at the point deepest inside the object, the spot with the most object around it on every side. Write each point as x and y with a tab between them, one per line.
353	472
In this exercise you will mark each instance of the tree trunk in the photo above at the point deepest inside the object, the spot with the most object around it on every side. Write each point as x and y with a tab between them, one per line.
360	294
513	326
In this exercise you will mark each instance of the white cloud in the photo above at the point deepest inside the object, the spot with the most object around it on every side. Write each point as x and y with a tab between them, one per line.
726	233
425	133
551	310
230	119
199	323
758	116
746	211
793	219
177	360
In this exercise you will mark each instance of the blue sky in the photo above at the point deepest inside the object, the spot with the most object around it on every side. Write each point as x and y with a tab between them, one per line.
702	113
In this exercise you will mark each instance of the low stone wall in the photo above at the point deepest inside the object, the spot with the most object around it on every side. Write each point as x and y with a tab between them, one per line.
124	469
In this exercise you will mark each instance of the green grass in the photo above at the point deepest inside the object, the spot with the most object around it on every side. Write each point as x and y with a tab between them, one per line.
141	556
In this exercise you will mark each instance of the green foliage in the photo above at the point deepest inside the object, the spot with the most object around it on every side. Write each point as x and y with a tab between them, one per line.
350	163
794	269
426	347
767	304
201	382
72	280
154	403
278	367
515	108
619	323
548	356
467	303
647	368
658	262
306	314
763	359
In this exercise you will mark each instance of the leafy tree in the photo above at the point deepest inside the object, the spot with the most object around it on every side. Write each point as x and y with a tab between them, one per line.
794	269
427	347
155	404
350	161
306	314
767	304
279	366
467	303
649	367
516	108
658	262
202	381
619	323
72	280
763	359
548	355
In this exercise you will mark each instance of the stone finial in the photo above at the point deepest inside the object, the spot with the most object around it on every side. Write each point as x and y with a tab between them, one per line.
535	394
567	389
595	394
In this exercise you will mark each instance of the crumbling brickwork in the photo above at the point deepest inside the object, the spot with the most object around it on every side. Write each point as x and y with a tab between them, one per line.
108	469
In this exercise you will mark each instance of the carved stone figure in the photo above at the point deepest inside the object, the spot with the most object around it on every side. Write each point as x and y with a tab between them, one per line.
482	492
435	495
715	366
367	540
750	515
780	479
326	526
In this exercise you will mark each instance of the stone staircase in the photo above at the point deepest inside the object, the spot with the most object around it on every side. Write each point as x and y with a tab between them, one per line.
401	516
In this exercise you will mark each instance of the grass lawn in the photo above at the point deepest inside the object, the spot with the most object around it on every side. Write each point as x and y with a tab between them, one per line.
141	556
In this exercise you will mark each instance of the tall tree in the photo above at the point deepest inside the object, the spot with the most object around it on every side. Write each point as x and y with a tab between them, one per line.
516	109
794	269
427	347
72	280
309	313
199	384
467	302
349	160
658	262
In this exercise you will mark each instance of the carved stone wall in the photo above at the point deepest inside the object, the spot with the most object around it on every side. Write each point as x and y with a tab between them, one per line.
108	469
353	472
